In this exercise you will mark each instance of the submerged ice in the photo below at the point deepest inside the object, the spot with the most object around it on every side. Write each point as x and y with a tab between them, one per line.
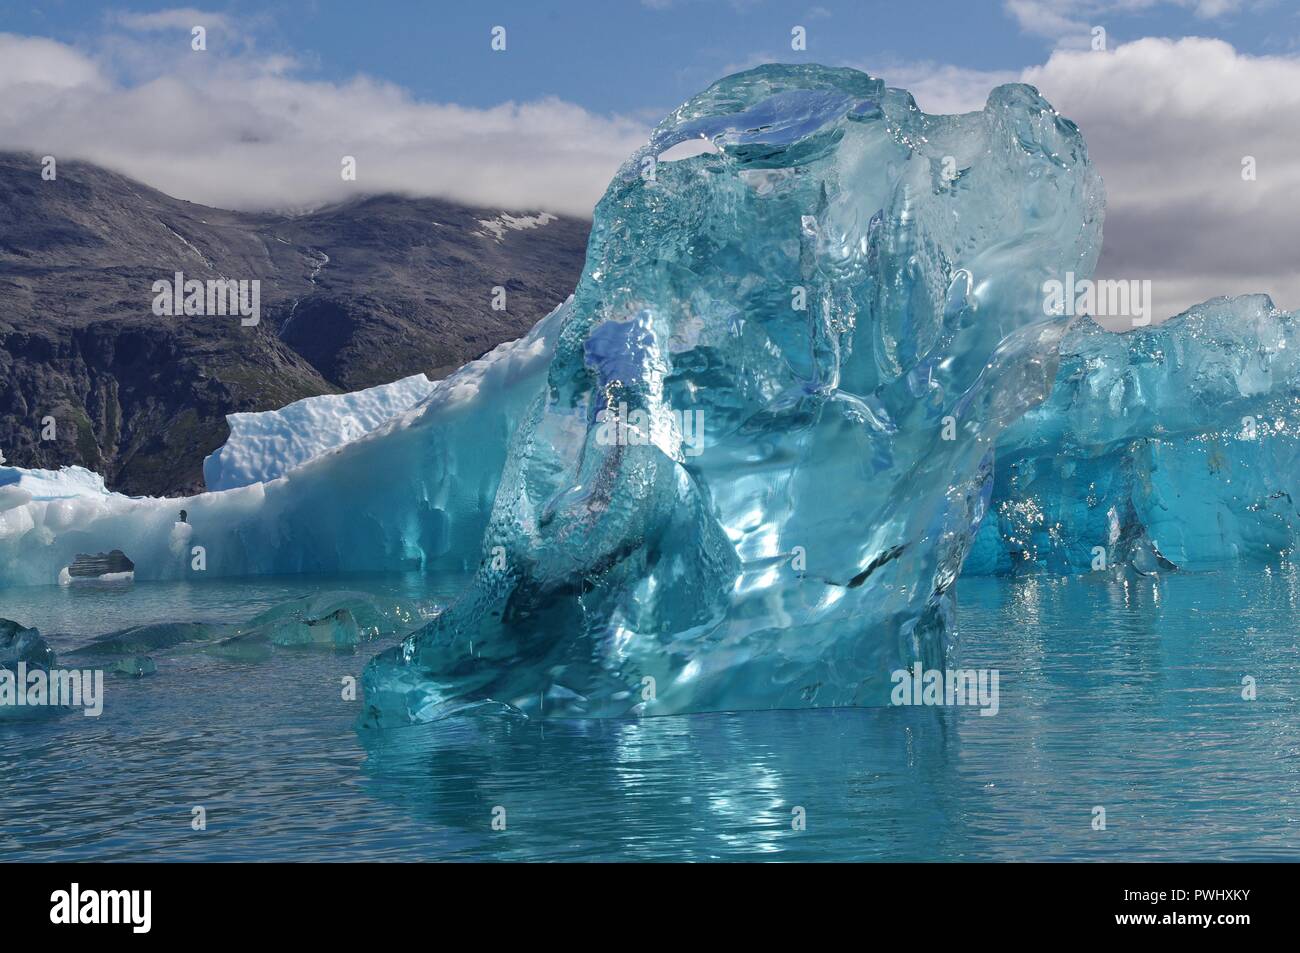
802	385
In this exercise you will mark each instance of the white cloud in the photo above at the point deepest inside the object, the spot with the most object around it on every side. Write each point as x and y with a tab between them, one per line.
1068	22
942	88
37	63
243	132
180	18
1209	9
1168	124
1048	18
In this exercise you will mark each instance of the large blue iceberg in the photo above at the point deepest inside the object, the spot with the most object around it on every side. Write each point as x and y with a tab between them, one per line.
808	378
765	438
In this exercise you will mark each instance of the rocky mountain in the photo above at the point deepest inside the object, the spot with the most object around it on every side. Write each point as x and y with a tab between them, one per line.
351	296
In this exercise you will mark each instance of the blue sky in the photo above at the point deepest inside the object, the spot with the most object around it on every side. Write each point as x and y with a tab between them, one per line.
643	58
1183	92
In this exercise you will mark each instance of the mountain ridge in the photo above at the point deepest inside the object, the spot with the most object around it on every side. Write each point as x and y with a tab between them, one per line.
353	294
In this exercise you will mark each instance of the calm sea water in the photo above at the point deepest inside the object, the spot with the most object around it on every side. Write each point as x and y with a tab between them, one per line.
1122	697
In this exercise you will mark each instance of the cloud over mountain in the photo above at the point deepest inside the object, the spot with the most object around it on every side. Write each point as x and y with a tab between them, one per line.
1168	122
245	132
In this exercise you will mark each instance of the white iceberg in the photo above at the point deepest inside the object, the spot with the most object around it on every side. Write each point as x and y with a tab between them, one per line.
265	446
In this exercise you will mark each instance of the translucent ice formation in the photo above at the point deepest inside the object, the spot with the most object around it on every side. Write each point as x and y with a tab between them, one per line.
136	666
333	620
764	441
1169	446
21	644
22	650
338	630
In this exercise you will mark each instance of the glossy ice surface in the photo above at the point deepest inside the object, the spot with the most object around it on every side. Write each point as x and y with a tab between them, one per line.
820	290
1163	447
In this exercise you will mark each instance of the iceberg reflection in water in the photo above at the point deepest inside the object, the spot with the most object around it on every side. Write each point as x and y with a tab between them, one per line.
1127	696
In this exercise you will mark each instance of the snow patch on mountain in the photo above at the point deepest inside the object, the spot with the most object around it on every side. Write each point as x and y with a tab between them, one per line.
505	221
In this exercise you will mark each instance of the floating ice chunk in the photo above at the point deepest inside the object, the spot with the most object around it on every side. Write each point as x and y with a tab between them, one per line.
22	652
137	666
152	638
857	329
374	617
338	620
21	644
338	631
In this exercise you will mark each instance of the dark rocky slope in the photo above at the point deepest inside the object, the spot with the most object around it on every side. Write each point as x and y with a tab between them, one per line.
351	296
